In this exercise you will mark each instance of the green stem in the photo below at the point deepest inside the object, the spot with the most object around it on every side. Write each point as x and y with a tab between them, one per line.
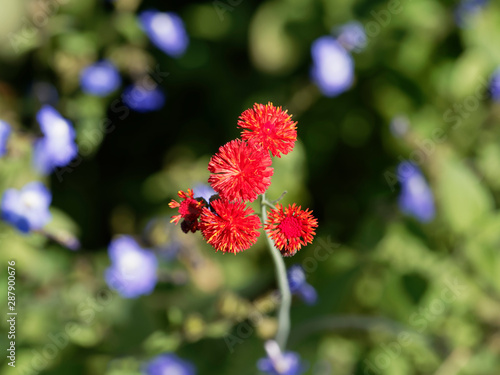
267	203
286	297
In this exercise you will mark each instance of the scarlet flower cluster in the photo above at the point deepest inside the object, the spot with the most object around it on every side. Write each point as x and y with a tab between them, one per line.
241	171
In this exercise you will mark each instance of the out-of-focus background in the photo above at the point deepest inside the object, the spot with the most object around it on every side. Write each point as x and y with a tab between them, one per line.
400	291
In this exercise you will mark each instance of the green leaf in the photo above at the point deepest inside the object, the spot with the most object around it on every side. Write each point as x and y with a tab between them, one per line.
463	199
482	251
160	342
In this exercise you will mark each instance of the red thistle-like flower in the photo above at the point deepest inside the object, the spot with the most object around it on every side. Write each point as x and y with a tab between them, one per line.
231	226
189	210
291	228
241	170
271	127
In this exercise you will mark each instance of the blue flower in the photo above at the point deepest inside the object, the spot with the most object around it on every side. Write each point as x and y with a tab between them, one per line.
495	85
169	364
203	191
5	131
100	79
133	269
299	286
333	67
143	100
57	148
166	31
416	198
27	209
277	363
467	9
352	36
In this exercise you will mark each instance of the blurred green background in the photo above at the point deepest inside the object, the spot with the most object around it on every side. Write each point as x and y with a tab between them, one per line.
384	292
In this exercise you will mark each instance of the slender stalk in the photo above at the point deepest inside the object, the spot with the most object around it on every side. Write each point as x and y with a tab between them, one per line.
286	297
327	323
267	203
280	198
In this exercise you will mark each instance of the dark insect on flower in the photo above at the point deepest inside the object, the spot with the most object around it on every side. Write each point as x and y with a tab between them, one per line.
189	209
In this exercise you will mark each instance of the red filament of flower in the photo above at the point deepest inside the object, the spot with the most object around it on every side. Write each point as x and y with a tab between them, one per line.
189	208
232	227
240	170
269	126
290	227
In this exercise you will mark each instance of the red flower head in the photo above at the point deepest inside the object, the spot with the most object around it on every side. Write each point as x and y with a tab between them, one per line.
241	170
189	210
271	127
291	228
231	226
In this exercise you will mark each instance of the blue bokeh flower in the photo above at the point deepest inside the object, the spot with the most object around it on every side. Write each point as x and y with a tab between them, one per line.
57	148
53	125
333	67
299	286
166	31
27	209
169	364
352	36
100	79
143	100
495	85
5	131
133	269
416	198
278	363
467	9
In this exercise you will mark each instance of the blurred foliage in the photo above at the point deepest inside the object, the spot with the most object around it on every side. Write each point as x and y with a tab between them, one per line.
397	297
